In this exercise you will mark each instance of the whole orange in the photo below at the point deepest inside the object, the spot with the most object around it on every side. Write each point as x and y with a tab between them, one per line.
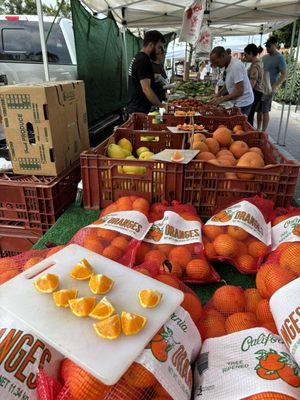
229	299
256	248
226	246
112	252
181	255
263	311
212	231
246	263
213	324
192	305
240	321
290	257
198	269
252	299
156	257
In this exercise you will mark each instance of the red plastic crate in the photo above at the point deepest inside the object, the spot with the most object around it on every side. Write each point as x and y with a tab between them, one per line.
35	202
207	187
14	241
211	123
103	183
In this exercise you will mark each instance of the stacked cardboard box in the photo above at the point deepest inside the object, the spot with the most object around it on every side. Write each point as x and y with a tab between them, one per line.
45	127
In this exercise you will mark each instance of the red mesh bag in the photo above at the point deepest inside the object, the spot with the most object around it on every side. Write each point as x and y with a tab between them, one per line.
278	280
138	382
174	245
242	356
240	234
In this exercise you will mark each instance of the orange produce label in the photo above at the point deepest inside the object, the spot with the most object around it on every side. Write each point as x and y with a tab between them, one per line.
130	223
243	364
244	215
170	353
286	231
285	307
22	353
173	229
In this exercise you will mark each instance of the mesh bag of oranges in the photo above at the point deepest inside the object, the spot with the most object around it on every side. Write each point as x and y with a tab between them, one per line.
240	234
119	229
278	280
163	371
22	355
242	357
174	245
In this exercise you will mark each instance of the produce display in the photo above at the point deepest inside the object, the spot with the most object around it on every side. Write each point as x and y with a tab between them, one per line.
243	343
198	90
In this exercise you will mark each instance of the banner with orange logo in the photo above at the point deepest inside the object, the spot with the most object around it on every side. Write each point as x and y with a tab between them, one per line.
243	364
131	223
22	353
246	216
171	352
173	229
286	231
285	307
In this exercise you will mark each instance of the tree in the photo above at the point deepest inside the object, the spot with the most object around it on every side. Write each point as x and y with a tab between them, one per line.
284	34
28	7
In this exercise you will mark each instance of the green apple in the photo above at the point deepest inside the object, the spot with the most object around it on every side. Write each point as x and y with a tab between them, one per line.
146	155
140	150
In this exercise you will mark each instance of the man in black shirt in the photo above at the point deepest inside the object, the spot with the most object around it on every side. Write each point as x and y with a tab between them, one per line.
141	75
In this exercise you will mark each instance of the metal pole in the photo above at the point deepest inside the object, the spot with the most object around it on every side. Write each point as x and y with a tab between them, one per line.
293	84
42	38
125	51
285	89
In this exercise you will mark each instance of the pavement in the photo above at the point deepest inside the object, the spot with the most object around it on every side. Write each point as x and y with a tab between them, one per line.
292	140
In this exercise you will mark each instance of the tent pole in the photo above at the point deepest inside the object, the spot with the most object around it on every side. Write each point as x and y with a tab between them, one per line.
293	84
125	51
42	38
285	89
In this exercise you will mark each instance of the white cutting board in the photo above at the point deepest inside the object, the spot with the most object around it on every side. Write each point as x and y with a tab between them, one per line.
75	337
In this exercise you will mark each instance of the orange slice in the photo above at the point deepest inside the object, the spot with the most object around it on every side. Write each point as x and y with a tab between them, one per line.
47	283
177	156
104	309
110	328
100	284
82	271
61	297
83	306
149	298
132	323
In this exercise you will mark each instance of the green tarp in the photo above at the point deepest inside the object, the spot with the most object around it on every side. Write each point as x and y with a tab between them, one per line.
101	61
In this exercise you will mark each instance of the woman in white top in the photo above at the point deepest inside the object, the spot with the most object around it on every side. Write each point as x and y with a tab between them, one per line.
237	83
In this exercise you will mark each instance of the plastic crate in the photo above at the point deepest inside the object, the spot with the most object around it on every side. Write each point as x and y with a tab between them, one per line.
35	202
14	241
103	183
207	187
211	123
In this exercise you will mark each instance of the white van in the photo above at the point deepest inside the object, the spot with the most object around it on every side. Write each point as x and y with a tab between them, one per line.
20	49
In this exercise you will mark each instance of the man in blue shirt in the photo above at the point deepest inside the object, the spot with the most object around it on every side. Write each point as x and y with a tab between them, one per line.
274	63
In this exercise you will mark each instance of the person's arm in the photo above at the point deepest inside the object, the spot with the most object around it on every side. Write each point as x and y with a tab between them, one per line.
238	91
282	76
149	93
253	77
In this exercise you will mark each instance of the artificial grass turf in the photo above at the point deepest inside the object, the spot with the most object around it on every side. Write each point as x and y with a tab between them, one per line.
76	217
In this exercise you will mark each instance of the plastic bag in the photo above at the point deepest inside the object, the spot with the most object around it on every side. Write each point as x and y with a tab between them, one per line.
279	278
22	353
174	245
240	356
240	234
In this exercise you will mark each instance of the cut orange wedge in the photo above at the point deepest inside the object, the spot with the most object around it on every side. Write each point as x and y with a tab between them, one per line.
132	323
61	297
82	271
104	309
110	328
149	298
47	283
100	284
83	306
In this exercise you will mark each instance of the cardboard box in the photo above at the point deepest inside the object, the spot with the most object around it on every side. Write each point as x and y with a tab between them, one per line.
45	125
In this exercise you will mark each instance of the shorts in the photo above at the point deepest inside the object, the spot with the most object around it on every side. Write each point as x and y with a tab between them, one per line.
267	103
